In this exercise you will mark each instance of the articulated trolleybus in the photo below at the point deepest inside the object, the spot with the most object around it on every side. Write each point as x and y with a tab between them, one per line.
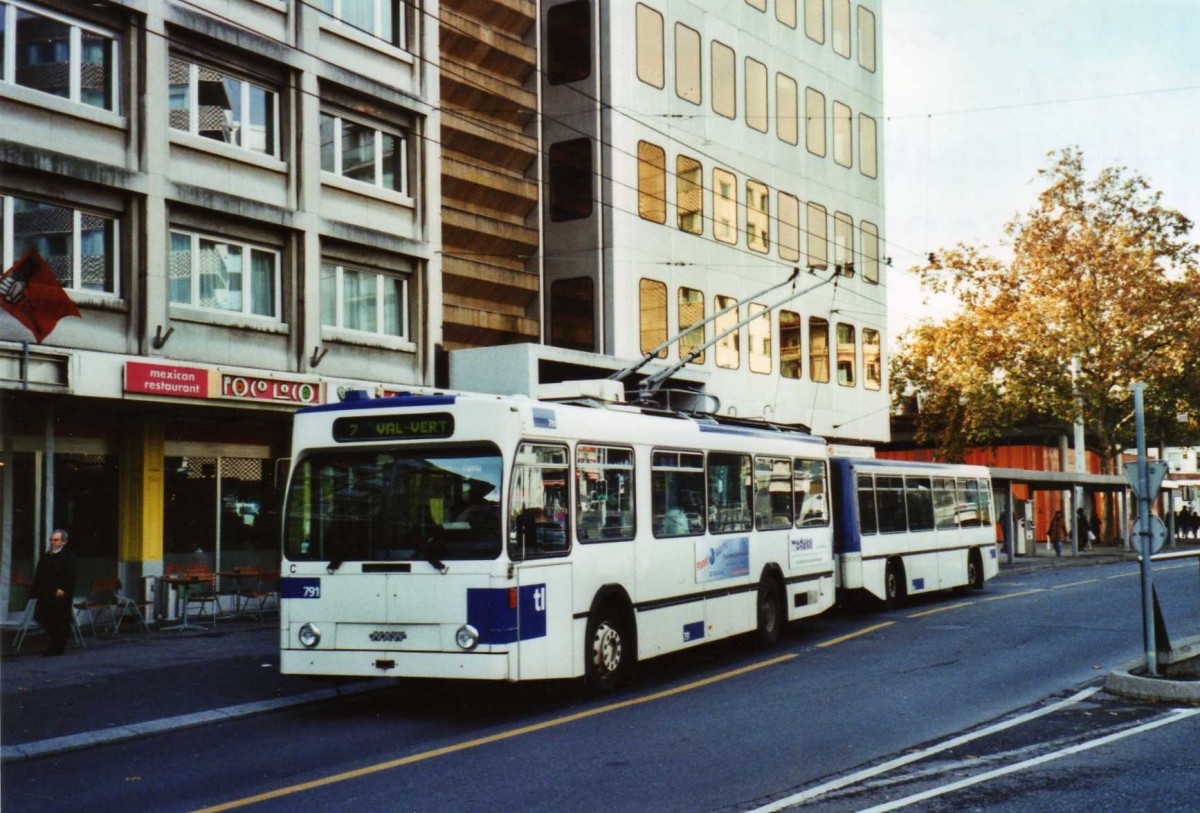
497	537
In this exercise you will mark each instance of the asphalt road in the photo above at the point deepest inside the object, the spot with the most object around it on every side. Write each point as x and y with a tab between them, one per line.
720	728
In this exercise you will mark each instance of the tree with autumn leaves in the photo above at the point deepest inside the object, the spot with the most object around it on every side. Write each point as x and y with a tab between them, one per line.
1099	270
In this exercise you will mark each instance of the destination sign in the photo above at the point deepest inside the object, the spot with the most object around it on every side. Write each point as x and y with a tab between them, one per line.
393	427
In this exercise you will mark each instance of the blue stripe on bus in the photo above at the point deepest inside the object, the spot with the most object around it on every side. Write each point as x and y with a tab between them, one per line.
490	612
846	537
391	402
299	587
918	584
722	429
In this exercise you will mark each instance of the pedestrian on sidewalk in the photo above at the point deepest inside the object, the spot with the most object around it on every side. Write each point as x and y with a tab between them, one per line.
1057	532
1081	529
54	589
1094	530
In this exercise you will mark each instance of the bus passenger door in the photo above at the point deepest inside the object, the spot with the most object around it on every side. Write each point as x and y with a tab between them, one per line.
544	624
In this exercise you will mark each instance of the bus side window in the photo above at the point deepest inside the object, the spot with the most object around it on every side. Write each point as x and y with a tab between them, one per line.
604	488
676	493
538	502
867	521
729	493
812	506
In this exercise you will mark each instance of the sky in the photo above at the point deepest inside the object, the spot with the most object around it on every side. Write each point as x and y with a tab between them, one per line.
977	92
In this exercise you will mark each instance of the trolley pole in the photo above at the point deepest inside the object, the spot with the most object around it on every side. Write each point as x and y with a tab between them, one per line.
1143	524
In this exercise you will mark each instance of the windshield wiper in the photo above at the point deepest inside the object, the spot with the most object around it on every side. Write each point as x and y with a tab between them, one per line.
424	550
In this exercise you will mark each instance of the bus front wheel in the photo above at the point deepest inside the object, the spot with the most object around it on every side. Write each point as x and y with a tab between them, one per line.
607	652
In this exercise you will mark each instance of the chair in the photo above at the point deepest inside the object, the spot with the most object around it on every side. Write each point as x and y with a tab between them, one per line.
203	593
27	621
100	601
127	605
254	600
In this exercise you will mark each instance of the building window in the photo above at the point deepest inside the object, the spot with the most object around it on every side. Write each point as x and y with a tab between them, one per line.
789	227
760	339
843	244
569	42
786	113
790	358
756	95
866	39
785	12
650	46
224	108
841	27
691	312
843	146
870	252
207	272
689	194
688	70
652	305
570	180
383	19
572	303
724	80
728	350
725	206
758	217
814	20
363	153
845	354
872	359
652	182
364	301
818	236
814	121
868	158
59	55
80	247
818	350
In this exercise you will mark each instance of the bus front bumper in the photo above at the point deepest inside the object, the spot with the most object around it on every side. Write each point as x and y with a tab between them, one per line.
378	663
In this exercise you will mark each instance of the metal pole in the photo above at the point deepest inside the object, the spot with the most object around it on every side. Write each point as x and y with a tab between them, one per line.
1143	525
1079	538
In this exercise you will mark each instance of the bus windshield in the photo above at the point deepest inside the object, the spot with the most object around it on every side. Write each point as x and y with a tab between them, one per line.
359	505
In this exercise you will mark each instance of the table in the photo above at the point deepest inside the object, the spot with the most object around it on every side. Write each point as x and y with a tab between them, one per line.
185	582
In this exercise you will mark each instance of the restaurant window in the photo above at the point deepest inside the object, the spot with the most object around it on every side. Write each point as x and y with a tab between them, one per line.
691	312
572	306
790	359
758	217
652	182
569	42
363	301
689	194
87	504
845	354
814	121
843	146
724	80
649	46
80	247
756	95
539	502
604	488
843	243
818	349
363	153
866	39
872	359
786	112
789	227
729	484
759	331
725	222
676	493
868	155
808	484
59	55
727	348
217	106
869	234
570	180
818	236
841	27
652	305
772	493
216	274
382	19
785	12
688	68
814	20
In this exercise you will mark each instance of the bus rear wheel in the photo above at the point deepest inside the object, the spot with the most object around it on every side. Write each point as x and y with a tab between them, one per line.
893	585
975	569
771	614
606	655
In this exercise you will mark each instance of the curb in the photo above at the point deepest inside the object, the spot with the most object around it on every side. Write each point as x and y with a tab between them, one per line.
122	733
1121	681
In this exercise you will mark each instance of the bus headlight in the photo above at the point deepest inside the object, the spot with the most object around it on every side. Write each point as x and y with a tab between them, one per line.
310	635
467	637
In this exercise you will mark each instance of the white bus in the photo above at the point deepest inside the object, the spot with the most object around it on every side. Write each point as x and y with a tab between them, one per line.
496	537
904	528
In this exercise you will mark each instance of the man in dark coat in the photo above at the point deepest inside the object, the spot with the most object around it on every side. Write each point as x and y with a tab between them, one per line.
54	589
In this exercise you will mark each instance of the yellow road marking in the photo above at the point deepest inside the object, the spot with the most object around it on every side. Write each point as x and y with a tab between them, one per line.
941	609
855	634
503	735
1016	595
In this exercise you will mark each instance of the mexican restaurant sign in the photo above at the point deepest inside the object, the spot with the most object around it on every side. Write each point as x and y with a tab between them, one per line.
177	381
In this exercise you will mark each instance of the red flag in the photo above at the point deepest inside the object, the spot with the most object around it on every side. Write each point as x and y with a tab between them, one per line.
34	296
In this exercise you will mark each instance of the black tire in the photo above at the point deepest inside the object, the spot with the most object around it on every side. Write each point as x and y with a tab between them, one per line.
772	615
607	650
894	589
975	569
